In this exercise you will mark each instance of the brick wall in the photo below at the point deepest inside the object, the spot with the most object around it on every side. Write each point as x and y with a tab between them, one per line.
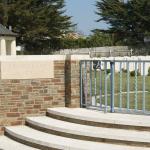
21	98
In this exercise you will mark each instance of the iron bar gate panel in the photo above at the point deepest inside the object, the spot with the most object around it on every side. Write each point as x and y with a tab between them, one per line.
115	85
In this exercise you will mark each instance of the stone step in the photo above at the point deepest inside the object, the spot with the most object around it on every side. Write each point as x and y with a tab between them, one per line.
91	133
101	119
46	141
9	144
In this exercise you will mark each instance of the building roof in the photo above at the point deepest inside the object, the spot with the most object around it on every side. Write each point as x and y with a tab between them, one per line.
6	32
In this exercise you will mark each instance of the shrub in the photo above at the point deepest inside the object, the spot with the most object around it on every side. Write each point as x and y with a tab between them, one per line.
124	70
132	73
108	71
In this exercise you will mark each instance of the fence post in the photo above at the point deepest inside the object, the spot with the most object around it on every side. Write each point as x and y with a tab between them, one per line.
112	67
81	86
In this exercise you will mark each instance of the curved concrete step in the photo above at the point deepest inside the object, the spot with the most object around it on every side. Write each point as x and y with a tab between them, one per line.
91	133
48	141
9	144
100	119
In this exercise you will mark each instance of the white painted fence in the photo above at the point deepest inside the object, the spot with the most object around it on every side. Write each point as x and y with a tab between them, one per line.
131	66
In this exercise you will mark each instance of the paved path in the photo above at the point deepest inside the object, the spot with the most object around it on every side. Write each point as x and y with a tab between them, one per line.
9	144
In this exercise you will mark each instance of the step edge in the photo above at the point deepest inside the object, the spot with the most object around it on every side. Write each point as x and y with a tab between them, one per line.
80	120
83	135
29	141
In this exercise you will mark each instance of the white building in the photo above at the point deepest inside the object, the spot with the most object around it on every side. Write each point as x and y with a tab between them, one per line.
7	41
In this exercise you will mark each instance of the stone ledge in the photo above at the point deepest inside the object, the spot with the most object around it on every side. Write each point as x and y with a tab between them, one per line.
27	69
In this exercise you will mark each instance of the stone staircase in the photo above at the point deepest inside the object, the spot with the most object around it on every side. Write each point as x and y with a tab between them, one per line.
79	129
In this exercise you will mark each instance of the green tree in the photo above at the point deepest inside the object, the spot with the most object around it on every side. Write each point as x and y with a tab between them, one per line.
3	12
129	20
39	23
99	39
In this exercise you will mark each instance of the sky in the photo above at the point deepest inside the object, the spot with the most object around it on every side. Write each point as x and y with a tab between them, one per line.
83	14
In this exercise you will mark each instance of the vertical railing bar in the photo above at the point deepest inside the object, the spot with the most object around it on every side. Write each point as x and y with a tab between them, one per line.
120	87
85	81
81	86
91	81
143	85
95	88
135	96
112	64
128	87
105	91
100	82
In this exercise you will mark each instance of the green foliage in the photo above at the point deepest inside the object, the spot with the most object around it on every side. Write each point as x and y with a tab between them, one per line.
3	12
39	23
108	71
74	43
99	39
129	21
132	73
124	70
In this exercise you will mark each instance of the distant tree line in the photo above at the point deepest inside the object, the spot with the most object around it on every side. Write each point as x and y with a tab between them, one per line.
42	24
97	39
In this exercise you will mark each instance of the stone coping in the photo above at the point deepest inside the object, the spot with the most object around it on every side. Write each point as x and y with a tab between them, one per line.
64	57
33	58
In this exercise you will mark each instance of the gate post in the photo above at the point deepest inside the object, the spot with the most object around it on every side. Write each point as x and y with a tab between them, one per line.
72	82
112	67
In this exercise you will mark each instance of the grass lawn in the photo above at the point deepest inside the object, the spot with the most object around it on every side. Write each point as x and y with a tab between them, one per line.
132	85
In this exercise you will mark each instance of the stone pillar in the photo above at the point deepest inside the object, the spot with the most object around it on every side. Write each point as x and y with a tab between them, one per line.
13	47
72	82
2	47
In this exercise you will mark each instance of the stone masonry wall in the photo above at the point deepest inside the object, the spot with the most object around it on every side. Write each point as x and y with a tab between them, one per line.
21	98
72	81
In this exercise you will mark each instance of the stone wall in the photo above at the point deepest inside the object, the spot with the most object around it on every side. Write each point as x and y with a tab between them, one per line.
31	97
107	51
21	98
